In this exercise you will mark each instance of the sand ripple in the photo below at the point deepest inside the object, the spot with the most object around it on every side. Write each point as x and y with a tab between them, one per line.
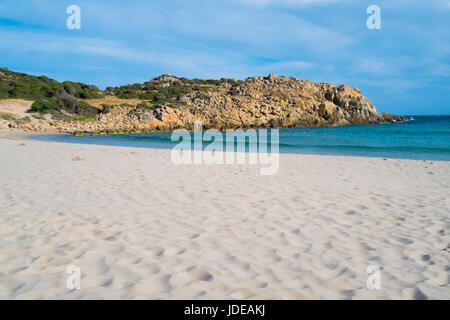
142	228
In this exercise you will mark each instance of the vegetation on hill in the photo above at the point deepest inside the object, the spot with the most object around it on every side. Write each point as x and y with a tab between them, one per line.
62	98
50	96
169	89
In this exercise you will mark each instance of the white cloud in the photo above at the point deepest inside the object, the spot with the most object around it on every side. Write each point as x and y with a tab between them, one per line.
183	62
373	66
289	3
408	4
50	44
292	65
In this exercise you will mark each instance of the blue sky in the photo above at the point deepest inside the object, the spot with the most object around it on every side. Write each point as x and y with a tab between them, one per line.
403	68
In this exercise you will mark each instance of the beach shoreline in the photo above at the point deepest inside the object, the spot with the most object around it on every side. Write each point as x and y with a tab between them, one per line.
140	227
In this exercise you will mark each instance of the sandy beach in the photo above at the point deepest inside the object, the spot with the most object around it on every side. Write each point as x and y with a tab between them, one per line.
140	227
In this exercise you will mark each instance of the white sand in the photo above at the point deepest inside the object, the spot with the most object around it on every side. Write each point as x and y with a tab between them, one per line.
140	227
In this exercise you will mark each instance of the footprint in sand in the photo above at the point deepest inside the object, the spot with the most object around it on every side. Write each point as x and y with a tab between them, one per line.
95	282
156	252
412	294
199	274
94	262
404	240
151	286
253	284
152	269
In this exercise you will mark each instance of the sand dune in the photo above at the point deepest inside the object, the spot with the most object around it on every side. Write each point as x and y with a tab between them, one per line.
18	107
140	227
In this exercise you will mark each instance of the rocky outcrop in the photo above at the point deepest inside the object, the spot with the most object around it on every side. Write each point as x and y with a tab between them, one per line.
255	102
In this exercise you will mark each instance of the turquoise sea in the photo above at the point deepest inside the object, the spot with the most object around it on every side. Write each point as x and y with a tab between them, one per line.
424	138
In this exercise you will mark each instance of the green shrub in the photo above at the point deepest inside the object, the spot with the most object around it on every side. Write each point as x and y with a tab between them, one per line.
7	116
50	96
162	91
201	95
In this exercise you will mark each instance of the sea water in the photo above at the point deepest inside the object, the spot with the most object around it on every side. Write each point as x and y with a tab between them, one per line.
424	138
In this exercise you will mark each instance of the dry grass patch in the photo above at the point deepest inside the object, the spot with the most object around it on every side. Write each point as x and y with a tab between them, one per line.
111	100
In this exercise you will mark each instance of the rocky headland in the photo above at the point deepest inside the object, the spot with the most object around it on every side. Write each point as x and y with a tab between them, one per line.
167	102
